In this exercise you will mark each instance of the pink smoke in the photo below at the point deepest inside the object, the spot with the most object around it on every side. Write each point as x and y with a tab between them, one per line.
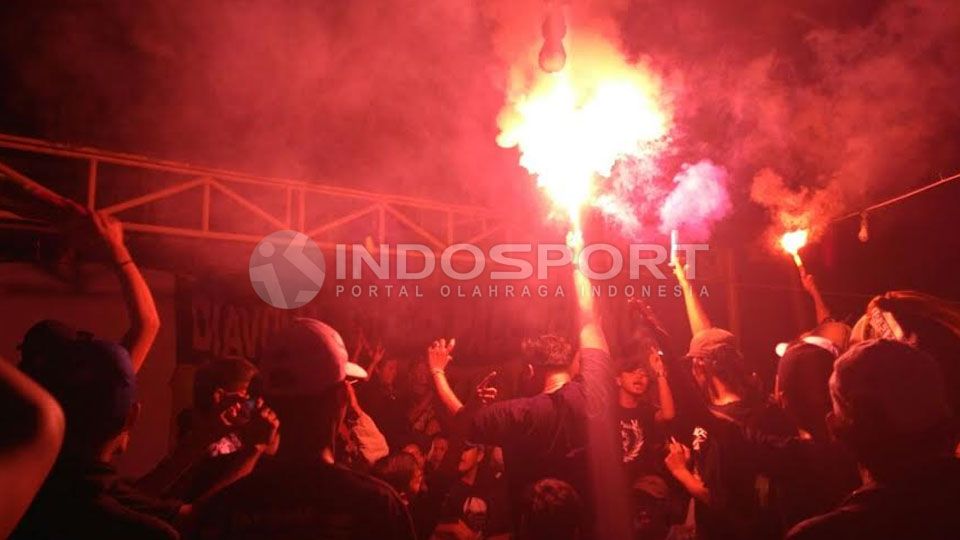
698	201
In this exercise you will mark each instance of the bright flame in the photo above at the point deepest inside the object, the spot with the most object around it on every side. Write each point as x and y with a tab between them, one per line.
793	241
573	126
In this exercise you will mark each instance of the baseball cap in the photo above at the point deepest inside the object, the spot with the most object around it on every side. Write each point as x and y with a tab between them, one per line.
305	359
94	382
43	342
892	385
710	340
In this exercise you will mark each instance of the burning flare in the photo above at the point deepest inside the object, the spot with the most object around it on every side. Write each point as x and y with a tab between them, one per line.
792	242
572	127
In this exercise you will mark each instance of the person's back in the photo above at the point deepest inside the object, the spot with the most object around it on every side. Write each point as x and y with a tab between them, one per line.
922	505
312	499
546	435
541	436
890	408
83	497
88	500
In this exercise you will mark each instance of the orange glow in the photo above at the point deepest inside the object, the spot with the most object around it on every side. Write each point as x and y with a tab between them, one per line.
793	241
571	127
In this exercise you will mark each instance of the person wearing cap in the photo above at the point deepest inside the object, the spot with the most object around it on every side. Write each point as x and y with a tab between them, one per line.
302	492
890	407
723	476
94	382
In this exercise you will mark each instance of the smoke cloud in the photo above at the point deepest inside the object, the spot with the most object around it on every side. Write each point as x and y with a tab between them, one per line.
805	104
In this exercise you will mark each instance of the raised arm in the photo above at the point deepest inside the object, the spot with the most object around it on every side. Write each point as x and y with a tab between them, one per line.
651	324
438	357
32	434
591	332
667	410
699	320
144	320
810	284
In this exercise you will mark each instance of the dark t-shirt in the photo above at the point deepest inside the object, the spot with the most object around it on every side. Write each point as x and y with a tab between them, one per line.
808	477
304	500
920	506
726	465
641	441
546	435
481	506
88	500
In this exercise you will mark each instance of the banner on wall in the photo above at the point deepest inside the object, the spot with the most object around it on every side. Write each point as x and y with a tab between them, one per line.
224	318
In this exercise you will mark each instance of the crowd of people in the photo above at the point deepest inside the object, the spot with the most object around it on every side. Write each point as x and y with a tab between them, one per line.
857	438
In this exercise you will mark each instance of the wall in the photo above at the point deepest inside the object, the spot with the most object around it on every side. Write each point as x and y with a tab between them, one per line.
28	295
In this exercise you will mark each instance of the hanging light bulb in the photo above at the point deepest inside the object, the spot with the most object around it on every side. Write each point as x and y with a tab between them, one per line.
552	55
864	233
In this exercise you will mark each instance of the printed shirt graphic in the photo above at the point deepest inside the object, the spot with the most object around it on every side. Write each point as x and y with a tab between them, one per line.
637	437
631	434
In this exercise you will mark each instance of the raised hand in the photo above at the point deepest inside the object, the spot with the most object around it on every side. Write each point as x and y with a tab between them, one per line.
263	429
376	353
485	392
808	281
656	364
439	354
677	456
110	231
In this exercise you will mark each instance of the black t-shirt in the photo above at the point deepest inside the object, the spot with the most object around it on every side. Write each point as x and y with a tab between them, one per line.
922	505
641	441
808	476
546	435
481	506
724	460
88	500
304	500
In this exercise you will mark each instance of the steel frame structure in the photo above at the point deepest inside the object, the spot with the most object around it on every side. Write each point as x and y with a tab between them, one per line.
376	212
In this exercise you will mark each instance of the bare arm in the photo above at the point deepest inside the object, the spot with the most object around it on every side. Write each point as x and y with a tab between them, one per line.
676	462
144	319
31	438
438	357
699	320
667	411
820	307
591	332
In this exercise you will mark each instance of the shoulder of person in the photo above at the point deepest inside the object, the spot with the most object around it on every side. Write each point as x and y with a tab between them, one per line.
368	486
838	523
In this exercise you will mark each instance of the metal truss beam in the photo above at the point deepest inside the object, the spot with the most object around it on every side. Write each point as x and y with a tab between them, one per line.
315	209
